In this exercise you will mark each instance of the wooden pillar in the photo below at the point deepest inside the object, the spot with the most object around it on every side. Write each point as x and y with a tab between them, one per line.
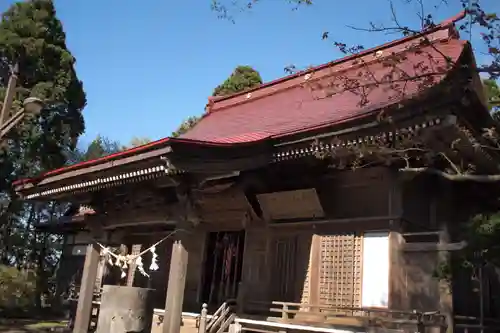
136	249
84	308
442	214
175	290
188	218
124	250
445	294
315	273
101	271
398	294
398	298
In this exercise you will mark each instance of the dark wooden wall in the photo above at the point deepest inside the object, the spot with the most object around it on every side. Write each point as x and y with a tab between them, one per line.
284	261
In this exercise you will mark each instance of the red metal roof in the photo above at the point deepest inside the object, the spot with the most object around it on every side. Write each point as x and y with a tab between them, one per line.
289	106
286	105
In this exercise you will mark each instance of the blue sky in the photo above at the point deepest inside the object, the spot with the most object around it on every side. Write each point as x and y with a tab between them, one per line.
146	65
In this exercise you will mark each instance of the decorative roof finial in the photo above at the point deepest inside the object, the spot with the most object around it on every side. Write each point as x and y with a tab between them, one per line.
210	104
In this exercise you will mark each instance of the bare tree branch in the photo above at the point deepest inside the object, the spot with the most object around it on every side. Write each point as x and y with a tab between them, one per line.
454	177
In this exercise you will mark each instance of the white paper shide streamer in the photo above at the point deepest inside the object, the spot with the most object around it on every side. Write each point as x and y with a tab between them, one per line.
154	259
125	261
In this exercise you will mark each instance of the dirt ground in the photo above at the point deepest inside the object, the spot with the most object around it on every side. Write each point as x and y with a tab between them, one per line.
31	326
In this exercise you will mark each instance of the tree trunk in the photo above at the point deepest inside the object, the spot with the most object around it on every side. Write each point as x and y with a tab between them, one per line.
41	280
6	231
25	262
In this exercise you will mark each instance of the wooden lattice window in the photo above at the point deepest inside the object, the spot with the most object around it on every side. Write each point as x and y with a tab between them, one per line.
340	278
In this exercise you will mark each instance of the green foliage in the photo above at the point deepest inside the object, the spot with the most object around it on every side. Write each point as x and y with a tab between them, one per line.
136	142
482	234
17	289
483	239
32	37
185	126
242	78
100	147
492	94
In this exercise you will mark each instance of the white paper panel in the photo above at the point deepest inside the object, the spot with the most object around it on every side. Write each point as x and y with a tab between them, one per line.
375	286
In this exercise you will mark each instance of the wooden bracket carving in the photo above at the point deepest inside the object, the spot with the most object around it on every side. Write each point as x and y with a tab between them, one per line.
96	228
184	193
187	203
169	167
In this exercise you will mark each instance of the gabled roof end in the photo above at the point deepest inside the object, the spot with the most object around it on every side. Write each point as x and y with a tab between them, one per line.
443	30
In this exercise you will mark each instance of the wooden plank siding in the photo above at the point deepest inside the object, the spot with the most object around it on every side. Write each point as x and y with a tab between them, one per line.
195	245
310	263
255	275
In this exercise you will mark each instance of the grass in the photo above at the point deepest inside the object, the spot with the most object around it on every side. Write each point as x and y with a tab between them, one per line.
45	324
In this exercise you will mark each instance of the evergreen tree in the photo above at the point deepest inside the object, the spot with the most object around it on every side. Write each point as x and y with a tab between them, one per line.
242	78
101	147
32	37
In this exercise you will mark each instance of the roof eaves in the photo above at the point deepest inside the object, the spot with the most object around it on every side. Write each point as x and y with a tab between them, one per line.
141	153
108	158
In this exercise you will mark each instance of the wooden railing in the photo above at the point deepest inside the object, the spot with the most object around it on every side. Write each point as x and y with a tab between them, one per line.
467	324
352	317
263	326
220	320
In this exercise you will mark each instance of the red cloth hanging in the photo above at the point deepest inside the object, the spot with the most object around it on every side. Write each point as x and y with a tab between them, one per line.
228	260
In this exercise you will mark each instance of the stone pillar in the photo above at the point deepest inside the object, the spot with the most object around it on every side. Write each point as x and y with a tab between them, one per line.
175	290
86	295
125	309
